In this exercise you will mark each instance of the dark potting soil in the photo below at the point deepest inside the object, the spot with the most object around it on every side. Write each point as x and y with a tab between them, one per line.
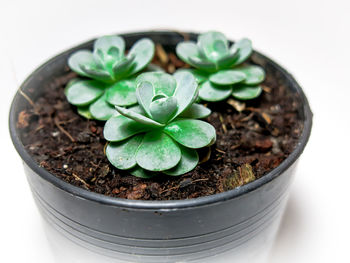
252	138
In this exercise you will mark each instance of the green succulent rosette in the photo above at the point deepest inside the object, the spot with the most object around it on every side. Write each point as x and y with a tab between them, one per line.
160	135
218	67
109	76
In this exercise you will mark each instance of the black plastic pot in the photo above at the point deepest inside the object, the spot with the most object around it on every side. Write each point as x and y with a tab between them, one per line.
158	231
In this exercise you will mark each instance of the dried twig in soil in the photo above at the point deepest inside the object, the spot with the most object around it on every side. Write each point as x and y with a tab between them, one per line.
57	123
76	177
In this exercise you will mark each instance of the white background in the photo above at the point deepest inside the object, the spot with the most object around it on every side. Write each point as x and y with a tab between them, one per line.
310	38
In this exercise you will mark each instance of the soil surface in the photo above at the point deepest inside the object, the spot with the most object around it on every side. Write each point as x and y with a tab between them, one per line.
252	138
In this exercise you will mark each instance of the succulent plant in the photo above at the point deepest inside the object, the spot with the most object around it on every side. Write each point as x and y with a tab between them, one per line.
218	67
163	132
109	76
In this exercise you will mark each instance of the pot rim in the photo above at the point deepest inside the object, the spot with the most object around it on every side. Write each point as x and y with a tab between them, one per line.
165	204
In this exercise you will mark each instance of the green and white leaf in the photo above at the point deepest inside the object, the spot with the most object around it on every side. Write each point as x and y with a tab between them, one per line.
158	152
97	73
202	64
122	93
143	50
245	49
122	154
119	128
196	111
84	111
193	134
81	57
163	109
108	50
121	69
228	60
200	76
244	92
162	83
102	110
105	43
189	160
138	117
150	84
187	49
214	45
83	92
254	74
211	92
142	173
227	77
186	91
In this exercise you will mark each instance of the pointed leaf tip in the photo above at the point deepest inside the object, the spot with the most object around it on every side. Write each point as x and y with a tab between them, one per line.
138	117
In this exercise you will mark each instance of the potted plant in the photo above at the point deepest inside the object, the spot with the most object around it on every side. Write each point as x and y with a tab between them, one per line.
164	162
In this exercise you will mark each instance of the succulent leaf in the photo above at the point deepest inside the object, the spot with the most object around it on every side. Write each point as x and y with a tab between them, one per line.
202	65
191	133
138	117
244	92
105	43
144	95
82	57
189	160
199	75
245	49
85	112
143	50
228	60
158	152
214	45
186	91
96	73
163	109
195	111
142	173
122	154
227	77
254	74
119	128
101	110
108	50
83	92
122	93
187	49
210	92
153	83
161	83
122	68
